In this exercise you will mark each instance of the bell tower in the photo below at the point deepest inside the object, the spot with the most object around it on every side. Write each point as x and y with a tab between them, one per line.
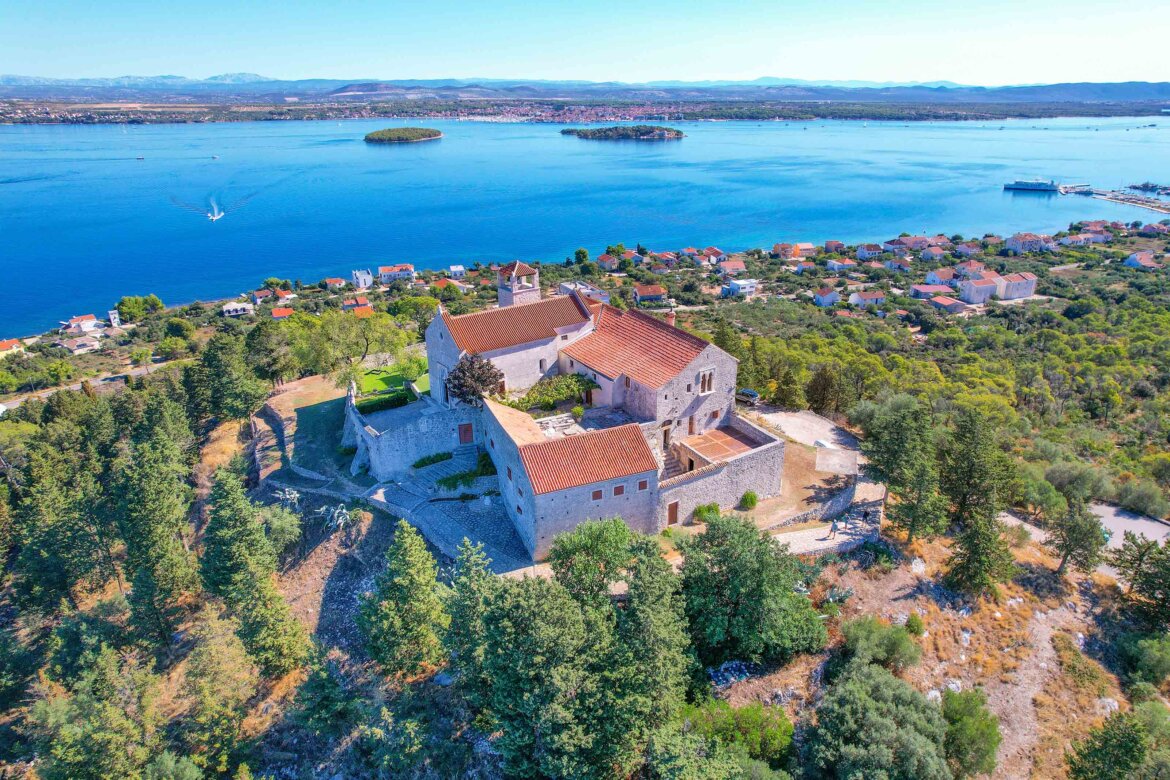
517	283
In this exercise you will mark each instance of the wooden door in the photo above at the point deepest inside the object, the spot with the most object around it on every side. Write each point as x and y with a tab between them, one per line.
691	426
672	513
465	433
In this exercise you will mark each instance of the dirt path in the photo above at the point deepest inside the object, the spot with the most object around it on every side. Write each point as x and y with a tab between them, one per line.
1012	699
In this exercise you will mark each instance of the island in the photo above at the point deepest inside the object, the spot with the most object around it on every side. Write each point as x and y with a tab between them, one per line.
402	135
626	133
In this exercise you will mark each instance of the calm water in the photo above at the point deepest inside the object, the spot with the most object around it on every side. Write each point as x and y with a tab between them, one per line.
82	221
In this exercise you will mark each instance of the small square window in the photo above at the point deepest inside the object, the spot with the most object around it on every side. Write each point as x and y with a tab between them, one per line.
596	495
715	414
564	337
643	484
619	490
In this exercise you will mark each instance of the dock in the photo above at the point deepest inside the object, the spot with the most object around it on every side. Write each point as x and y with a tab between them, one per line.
1118	196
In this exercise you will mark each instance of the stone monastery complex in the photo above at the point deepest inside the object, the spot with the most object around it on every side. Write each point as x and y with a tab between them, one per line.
660	435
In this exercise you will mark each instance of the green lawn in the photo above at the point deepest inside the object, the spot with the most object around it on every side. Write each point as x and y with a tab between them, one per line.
378	380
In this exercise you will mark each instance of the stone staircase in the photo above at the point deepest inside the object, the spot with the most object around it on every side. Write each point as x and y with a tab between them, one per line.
672	466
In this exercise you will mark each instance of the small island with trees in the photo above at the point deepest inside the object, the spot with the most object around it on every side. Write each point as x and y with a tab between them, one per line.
403	135
626	133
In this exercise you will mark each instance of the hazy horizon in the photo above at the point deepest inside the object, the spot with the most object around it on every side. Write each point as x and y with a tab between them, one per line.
985	43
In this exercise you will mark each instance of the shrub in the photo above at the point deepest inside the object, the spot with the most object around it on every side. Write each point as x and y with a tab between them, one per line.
749	500
914	624
1143	497
764	732
1146	658
1078	667
578	411
1017	536
430	460
972	733
1142	692
705	513
869	640
385	401
1115	749
549	392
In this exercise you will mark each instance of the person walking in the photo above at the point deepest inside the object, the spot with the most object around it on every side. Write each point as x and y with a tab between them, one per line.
833	529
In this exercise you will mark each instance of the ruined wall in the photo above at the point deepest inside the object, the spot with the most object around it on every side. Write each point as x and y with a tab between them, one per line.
724	483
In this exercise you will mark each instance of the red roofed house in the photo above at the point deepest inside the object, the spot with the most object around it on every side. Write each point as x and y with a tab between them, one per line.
969	249
969	268
9	347
1143	261
933	253
1012	286
259	296
334	283
649	293
941	276
1029	242
869	251
362	312
352	303
948	304
783	251
928	290
285	295
732	267
867	298
834	246
608	262
976	291
393	273
659	437
826	296
840	264
81	325
282	313
716	254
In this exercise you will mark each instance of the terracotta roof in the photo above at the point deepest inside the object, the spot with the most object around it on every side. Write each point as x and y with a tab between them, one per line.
510	326
519	426
644	290
944	300
334	280
597	456
635	344
8	344
361	312
280	312
82	318
391	269
518	268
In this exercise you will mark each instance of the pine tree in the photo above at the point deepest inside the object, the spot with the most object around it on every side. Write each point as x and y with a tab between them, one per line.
728	340
789	391
233	392
472	588
106	726
274	638
1078	538
536	654
980	557
976	476
824	390
235	549
404	617
219	682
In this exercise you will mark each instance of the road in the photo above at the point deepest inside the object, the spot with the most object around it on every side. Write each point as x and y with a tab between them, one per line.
98	382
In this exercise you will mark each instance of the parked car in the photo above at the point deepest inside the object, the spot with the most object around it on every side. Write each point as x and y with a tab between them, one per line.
747	396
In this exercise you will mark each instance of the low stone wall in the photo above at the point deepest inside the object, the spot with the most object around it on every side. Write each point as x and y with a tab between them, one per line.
838	504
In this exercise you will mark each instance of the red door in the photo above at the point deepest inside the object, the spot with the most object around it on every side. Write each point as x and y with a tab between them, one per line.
672	513
465	433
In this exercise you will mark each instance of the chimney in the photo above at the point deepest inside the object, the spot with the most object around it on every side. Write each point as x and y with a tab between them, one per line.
670	318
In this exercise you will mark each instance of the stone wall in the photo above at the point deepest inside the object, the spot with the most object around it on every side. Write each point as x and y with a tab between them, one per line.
835	506
564	510
515	490
759	470
421	428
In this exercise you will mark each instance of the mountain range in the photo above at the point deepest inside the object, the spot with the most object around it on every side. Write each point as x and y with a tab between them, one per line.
252	87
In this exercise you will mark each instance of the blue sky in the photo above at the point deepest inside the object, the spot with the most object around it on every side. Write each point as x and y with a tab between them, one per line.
987	42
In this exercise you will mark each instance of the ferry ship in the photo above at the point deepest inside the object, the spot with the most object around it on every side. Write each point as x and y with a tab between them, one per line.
1034	185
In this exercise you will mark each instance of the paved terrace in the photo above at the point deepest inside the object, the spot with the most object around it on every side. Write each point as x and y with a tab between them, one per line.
720	444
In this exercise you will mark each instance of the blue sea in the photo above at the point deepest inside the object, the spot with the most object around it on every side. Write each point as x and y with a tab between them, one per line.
84	221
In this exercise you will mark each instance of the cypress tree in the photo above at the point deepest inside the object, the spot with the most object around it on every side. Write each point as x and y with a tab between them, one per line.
472	588
404	617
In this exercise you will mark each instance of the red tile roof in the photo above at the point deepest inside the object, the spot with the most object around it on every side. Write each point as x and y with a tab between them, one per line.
82	318
648	290
518	268
334	280
361	312
597	456
510	326
390	269
8	344
642	347
280	312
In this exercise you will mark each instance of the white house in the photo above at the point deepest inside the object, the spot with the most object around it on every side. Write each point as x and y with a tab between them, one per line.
238	309
898	264
9	347
869	251
457	272
826	296
1012	286
976	291
867	298
1029	242
736	288
941	276
362	279
842	264
584	289
393	273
